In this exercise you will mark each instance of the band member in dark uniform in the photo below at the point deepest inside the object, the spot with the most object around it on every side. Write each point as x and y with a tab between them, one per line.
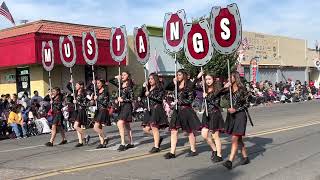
57	124
101	115
125	110
236	121
213	124
184	118
79	116
156	118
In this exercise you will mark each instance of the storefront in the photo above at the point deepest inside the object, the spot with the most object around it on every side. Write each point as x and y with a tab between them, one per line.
20	60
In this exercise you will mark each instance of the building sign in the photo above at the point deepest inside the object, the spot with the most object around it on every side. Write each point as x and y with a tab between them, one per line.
259	45
11	78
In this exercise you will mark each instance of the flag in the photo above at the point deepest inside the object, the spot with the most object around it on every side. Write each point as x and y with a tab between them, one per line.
245	44
4	11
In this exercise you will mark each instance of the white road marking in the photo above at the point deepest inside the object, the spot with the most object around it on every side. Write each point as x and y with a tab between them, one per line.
23	148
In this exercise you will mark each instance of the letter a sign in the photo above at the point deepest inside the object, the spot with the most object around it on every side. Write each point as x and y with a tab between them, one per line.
67	50
141	44
90	47
226	28
173	31
197	44
47	55
118	43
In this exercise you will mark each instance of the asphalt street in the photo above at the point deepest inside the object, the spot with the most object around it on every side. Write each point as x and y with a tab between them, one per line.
283	144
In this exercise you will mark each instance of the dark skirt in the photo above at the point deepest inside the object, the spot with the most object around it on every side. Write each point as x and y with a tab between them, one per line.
156	118
57	119
80	116
125	113
102	117
236	123
214	122
186	119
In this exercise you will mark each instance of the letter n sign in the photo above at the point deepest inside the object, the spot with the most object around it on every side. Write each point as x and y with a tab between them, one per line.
173	31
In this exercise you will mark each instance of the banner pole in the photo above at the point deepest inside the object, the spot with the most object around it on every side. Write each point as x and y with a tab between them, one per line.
176	84
204	91
73	90
230	90
145	80
119	81
94	84
50	88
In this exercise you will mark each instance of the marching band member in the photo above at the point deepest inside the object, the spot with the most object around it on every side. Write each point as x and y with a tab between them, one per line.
213	124
156	118
101	115
57	124
125	110
79	116
236	120
184	118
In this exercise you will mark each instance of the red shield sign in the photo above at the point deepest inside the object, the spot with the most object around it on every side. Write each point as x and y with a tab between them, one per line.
197	43
47	55
173	31
226	29
141	44
118	43
90	47
67	49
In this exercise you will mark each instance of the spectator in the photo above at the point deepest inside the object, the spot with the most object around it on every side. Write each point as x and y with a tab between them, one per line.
36	98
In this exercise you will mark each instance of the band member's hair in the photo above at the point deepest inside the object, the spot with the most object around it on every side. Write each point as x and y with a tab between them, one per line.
185	74
213	84
58	90
103	82
237	78
81	83
130	81
156	78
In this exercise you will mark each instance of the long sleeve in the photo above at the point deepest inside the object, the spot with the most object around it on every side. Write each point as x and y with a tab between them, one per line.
127	95
241	101
185	97
157	95
69	87
114	81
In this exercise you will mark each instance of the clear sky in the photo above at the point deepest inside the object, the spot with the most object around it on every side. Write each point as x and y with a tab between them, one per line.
293	18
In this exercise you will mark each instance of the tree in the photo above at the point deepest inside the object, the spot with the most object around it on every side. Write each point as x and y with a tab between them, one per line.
217	66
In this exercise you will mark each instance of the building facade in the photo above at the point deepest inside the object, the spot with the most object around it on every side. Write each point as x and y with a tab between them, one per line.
21	62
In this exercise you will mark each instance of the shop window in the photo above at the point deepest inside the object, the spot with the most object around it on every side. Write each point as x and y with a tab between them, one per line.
23	80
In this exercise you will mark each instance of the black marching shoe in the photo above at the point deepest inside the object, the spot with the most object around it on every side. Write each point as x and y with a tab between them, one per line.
129	146
79	145
245	161
101	146
217	159
63	142
213	155
192	154
49	144
106	141
87	139
169	156
122	148
228	164
154	150
160	141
